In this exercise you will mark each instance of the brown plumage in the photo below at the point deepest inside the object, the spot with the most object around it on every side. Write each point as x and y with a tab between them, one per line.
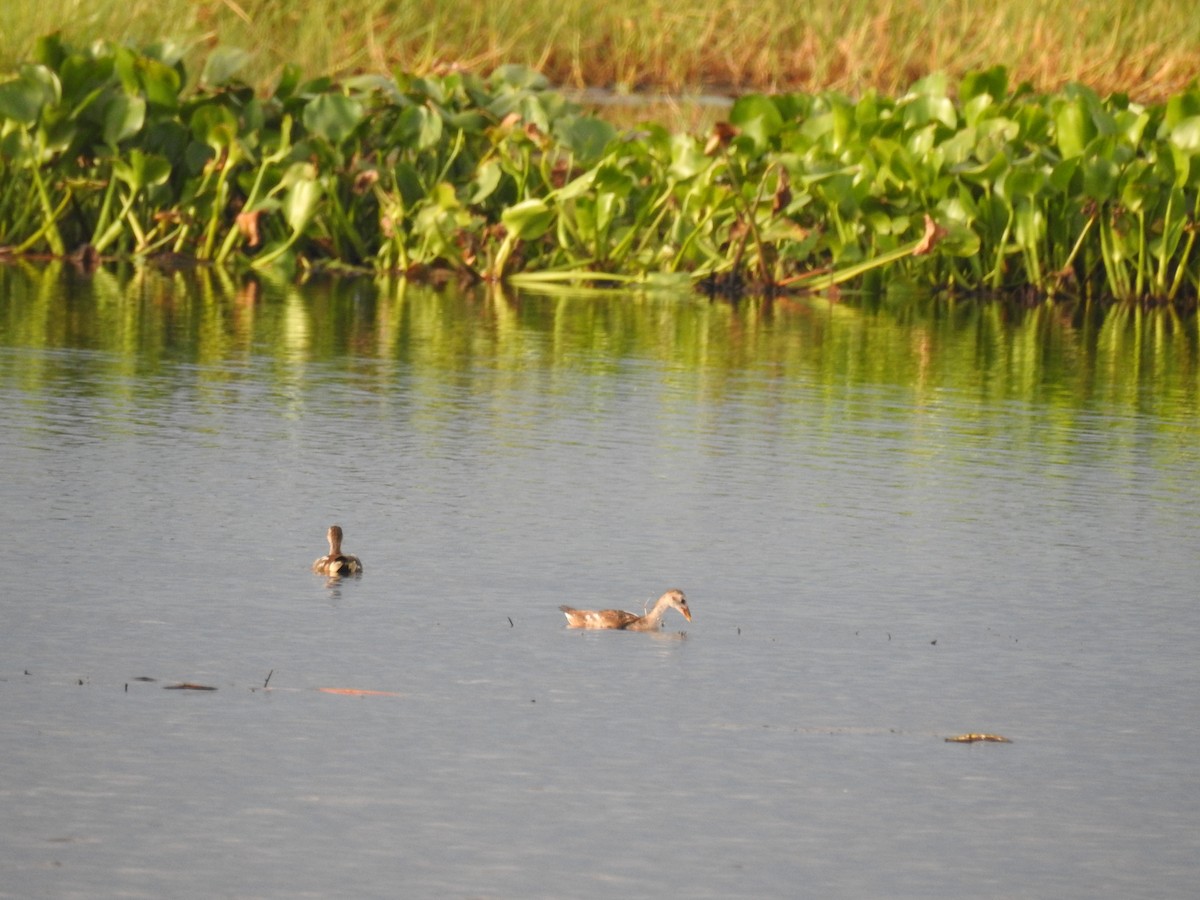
337	563
627	621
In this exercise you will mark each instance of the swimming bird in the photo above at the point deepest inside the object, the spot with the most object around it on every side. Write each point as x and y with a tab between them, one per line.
337	563
627	621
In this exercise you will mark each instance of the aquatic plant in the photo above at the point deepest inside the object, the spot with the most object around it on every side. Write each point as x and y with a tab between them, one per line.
975	186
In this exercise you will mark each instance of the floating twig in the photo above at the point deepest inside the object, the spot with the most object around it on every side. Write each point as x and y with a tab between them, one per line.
187	686
972	738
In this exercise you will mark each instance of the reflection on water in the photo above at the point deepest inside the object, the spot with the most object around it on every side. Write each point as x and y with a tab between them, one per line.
1070	358
895	520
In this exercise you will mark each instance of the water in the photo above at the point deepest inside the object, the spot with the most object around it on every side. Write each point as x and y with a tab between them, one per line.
894	523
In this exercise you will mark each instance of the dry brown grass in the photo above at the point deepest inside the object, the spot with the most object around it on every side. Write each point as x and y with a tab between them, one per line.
1148	49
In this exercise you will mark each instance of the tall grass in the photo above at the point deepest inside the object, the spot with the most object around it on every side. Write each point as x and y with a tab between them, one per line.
1146	48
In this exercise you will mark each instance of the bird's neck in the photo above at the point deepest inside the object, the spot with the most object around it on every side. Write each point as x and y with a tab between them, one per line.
653	619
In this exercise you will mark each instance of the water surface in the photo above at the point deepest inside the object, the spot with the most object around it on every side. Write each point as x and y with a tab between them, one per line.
895	522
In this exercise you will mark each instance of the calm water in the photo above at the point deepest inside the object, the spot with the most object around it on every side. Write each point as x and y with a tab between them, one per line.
894	523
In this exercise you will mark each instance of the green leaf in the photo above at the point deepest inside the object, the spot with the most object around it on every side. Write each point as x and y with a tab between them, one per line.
160	82
992	82
222	65
959	240
23	98
521	77
83	79
214	125
487	179
289	80
408	183
586	137
1100	178
687	158
922	110
418	126
333	116
577	187
300	203
1073	127
1021	182
758	118
529	219
1186	135
50	51
124	115
21	101
142	170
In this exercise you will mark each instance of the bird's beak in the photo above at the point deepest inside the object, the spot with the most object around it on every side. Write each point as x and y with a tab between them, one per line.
687	613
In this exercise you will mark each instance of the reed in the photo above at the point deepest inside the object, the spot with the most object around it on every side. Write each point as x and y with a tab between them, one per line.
1148	49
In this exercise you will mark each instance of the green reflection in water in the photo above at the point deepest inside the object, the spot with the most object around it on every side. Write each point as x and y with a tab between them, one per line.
1121	360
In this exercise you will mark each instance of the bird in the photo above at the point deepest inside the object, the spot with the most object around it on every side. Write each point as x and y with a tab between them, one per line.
627	621
337	563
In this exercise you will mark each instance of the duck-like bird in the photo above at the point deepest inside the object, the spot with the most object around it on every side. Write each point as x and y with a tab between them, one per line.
627	621
337	563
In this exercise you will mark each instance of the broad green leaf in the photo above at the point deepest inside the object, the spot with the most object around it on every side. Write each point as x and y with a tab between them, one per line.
333	116
1182	164
522	77
408	183
487	179
992	83
214	125
124	115
223	65
922	110
142	170
1021	182
687	158
1183	105
160	82
959	239
1073	127
935	85
373	84
587	138
1100	178
50	51
21	100
1139	187
578	187
26	97
1186	135
300	203
289	80
84	79
528	219
758	118
418	126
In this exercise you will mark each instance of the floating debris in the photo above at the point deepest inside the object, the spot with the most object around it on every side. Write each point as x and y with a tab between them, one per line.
187	686
972	738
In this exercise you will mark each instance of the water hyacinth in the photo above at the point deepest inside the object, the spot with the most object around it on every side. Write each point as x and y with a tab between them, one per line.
970	187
